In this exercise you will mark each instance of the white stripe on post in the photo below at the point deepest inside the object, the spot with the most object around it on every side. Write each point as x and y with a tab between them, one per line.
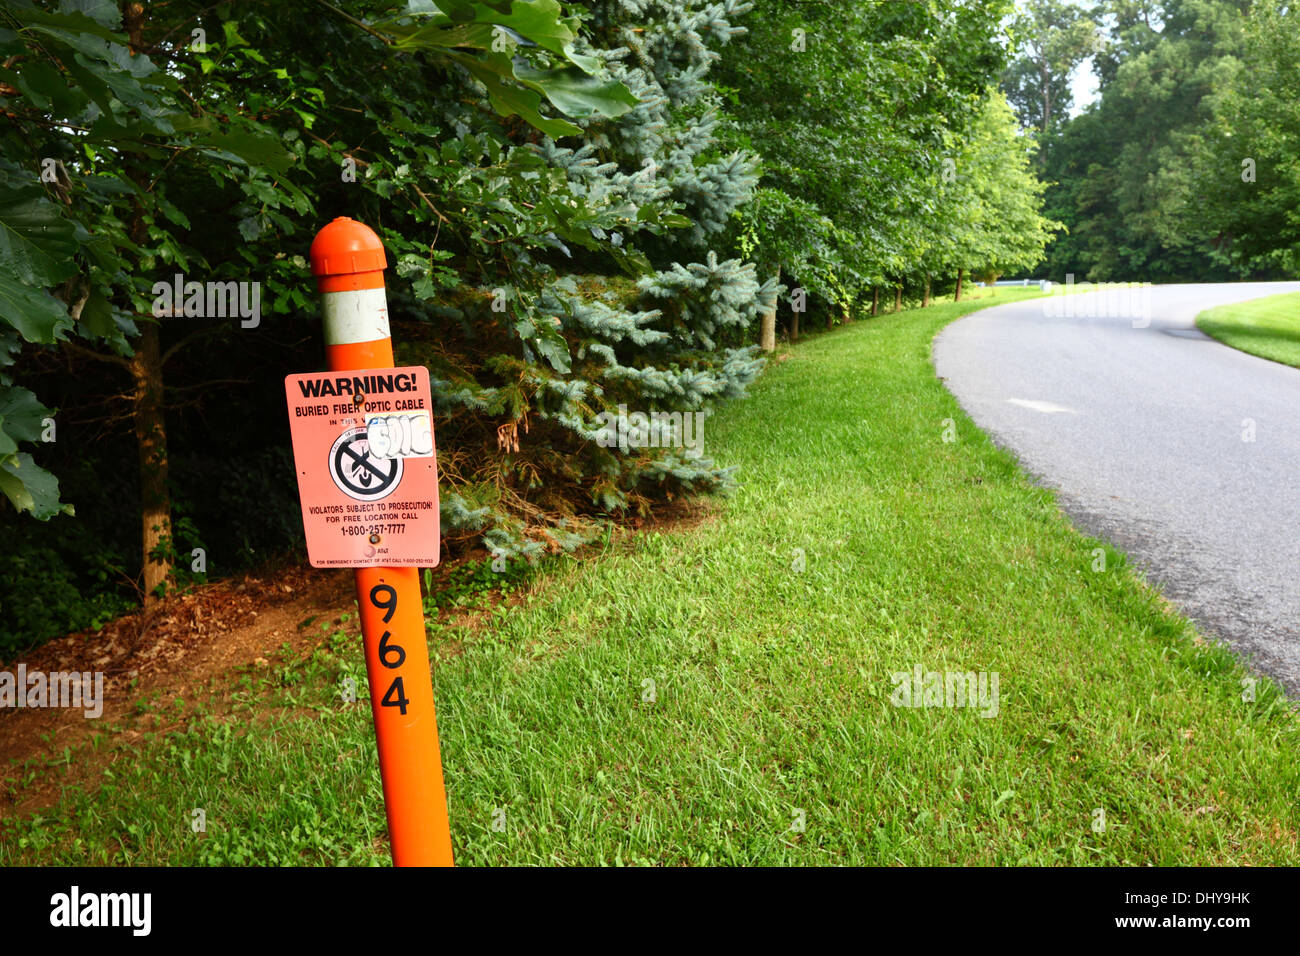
358	315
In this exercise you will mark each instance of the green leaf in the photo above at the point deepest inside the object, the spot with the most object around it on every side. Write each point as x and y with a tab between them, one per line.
632	262
31	488
103	12
538	20
173	214
36	243
576	93
90	84
48	89
23	416
475	36
10	344
461	25
91	43
102	321
254	149
231	30
37	315
7	445
67	19
510	100
555	352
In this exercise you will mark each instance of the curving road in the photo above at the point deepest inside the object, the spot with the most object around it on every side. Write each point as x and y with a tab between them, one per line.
1181	451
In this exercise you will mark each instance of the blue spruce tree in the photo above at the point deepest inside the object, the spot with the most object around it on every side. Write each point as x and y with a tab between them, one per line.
622	345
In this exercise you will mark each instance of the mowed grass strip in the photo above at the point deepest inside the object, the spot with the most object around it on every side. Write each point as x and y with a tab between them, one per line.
1267	327
696	699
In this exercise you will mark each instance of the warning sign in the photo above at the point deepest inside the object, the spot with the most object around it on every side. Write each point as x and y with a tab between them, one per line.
367	470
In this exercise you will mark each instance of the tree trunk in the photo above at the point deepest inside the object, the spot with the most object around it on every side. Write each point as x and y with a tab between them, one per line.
767	325
898	299
151	439
1047	99
147	394
875	301
925	298
767	331
957	295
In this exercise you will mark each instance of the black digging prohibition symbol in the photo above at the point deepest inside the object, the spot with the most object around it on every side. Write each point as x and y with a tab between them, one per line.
357	472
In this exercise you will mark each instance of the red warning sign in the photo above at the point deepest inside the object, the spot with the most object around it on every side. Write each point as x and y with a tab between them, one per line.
367	469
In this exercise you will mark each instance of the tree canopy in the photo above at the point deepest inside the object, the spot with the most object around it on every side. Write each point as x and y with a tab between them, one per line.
588	208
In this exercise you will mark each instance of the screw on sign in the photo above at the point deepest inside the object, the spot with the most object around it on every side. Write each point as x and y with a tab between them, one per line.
368	479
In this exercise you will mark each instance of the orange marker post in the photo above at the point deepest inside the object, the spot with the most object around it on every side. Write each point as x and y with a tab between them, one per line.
348	261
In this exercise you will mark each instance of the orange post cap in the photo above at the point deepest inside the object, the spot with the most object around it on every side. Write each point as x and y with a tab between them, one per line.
346	247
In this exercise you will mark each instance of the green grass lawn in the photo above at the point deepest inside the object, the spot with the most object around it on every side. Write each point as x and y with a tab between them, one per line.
1268	327
721	693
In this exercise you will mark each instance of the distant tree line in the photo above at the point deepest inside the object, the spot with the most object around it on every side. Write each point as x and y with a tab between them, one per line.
1186	166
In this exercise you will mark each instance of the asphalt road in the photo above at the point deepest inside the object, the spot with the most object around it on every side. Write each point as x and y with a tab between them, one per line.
1181	451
